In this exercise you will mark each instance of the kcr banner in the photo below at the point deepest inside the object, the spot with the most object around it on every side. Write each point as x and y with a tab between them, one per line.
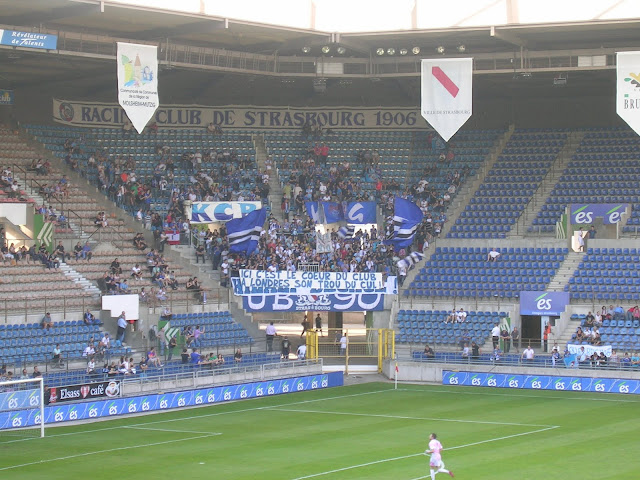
628	88
357	302
243	117
213	212
260	282
138	82
447	93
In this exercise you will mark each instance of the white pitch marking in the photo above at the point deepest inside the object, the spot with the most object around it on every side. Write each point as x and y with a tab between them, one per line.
97	452
524	395
173	431
400	417
352	467
337	397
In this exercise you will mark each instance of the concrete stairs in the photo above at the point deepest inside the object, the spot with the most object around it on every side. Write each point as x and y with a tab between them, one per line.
565	272
79	279
468	189
202	270
275	190
546	187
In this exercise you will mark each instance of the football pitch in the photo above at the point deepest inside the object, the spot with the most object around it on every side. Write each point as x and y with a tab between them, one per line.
368	431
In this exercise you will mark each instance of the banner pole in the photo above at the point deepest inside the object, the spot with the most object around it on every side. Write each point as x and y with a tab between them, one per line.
396	377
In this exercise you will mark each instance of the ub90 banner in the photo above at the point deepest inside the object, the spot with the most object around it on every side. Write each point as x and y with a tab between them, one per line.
355	302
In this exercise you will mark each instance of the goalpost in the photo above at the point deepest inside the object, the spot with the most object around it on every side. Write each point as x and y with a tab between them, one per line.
22	408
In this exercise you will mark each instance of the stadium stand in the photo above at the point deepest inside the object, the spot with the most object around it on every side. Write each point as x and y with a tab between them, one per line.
606	157
465	272
429	327
220	330
509	186
607	274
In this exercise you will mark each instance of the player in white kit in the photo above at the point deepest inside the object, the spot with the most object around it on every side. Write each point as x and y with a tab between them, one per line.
435	463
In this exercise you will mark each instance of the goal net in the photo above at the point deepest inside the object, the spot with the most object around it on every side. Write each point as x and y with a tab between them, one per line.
21	409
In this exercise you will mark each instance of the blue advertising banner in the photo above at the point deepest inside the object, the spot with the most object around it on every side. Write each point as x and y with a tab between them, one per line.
586	214
166	401
360	212
6	97
212	212
357	302
543	303
19	399
541	382
28	39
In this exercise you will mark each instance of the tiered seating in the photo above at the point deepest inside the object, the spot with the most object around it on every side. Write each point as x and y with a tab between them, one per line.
604	169
623	335
607	274
428	327
470	148
484	358
142	148
54	379
30	343
220	329
465	272
510	185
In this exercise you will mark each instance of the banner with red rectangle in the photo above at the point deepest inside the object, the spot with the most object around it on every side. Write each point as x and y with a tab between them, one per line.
447	94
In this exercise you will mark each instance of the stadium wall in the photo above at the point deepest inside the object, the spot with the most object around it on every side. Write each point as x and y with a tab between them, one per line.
54	414
429	372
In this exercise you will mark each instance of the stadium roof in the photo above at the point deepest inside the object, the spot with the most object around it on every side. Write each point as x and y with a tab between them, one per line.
205	48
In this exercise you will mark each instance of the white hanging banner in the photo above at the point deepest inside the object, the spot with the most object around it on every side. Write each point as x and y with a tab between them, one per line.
447	93
138	82
628	88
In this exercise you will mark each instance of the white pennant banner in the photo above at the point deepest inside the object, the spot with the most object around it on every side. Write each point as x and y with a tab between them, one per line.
138	82
447	93
628	88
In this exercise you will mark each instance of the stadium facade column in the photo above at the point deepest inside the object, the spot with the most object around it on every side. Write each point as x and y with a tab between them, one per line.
334	320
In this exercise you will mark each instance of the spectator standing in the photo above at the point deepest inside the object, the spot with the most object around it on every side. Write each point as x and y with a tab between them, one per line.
495	335
515	339
270	332
545	336
122	327
528	355
506	340
302	352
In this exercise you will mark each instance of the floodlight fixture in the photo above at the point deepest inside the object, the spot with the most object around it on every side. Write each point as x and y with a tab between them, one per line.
326	49
440	49
380	51
415	50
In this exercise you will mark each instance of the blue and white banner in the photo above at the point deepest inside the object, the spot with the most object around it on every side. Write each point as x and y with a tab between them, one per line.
590	349
261	282
609	212
360	212
314	211
543	303
6	97
43	41
138	82
246	117
213	212
19	399
323	243
244	233
346	232
356	302
406	218
166	401
541	382
333	212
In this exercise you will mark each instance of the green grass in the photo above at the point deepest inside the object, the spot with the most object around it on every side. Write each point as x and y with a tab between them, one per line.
487	434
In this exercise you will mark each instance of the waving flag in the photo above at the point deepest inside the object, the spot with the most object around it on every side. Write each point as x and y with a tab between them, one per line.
314	211
406	218
446	93
410	260
346	232
333	212
244	233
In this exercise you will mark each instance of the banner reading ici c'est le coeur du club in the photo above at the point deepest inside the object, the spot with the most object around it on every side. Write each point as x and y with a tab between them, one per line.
243	117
